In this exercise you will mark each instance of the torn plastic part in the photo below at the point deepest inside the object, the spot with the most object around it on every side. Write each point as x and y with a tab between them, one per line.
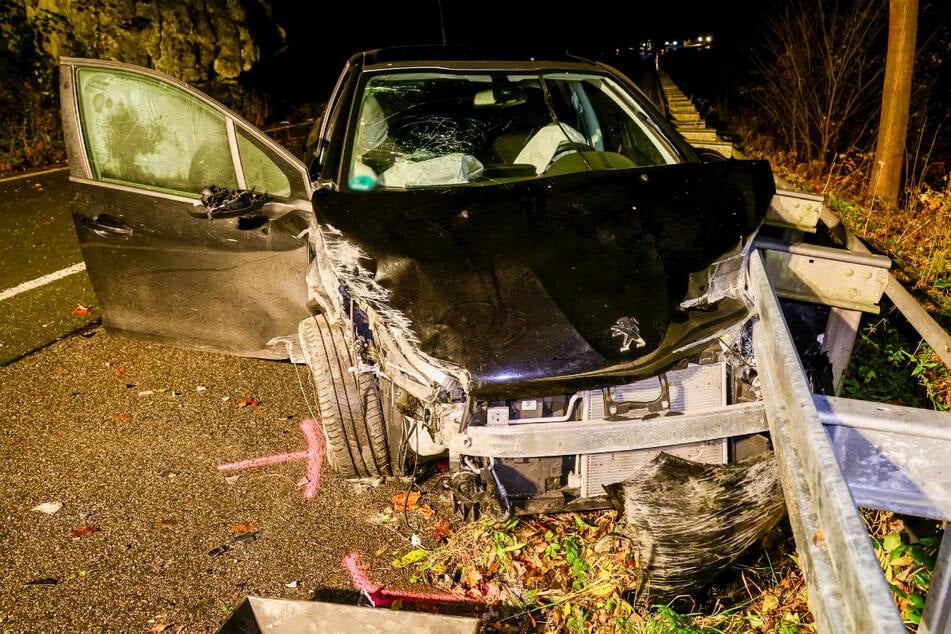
292	344
690	520
725	278
342	265
421	441
321	283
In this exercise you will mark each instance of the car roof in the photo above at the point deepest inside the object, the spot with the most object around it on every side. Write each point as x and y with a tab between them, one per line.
470	56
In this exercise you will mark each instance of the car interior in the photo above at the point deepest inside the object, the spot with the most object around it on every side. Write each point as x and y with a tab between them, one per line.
418	130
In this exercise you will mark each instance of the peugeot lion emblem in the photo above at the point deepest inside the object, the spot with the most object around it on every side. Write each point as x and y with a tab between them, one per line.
628	329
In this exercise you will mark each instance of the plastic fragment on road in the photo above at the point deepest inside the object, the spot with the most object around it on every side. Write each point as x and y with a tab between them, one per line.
50	508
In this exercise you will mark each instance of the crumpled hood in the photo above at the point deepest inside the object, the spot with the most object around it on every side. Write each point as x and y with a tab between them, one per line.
541	280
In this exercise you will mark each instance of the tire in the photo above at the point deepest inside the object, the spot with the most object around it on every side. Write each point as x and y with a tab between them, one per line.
348	401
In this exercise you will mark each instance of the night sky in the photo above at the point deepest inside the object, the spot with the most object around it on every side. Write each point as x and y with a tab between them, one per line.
321	36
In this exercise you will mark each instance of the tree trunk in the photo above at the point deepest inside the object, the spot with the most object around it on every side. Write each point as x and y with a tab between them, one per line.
896	97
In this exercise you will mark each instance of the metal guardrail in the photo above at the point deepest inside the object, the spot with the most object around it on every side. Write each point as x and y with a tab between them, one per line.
837	455
847	590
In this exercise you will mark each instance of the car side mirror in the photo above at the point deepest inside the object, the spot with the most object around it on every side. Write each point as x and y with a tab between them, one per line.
218	202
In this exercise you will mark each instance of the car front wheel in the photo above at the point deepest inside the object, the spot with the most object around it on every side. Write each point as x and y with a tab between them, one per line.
348	400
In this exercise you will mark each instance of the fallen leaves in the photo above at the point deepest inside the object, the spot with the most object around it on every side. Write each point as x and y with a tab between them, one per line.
83	531
248	402
409	501
413	556
547	563
244	527
442	530
82	310
406	501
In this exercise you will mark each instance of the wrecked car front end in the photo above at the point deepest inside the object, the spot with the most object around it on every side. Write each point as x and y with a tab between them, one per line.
544	333
544	282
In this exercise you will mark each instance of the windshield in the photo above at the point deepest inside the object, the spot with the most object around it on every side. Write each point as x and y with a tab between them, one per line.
439	129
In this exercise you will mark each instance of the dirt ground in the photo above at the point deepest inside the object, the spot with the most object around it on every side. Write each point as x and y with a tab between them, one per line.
117	518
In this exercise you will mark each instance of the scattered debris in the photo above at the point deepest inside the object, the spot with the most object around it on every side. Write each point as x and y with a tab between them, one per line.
246	538
82	310
50	508
362	485
248	402
43	581
220	550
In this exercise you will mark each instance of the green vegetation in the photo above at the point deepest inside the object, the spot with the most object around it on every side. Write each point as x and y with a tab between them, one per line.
30	132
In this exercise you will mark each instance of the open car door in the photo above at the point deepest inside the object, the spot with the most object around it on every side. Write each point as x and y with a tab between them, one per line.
227	274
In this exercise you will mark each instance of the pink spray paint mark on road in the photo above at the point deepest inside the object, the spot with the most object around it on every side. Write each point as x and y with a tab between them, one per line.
382	597
314	455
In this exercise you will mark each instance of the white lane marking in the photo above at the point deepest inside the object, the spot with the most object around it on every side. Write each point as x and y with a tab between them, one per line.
42	281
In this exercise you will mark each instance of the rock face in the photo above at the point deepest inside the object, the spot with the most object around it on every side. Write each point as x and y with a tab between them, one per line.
199	41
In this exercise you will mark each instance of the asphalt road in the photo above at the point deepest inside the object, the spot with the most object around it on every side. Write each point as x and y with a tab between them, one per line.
128	438
39	244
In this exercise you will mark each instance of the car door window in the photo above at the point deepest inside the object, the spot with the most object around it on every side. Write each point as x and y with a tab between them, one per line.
146	133
261	172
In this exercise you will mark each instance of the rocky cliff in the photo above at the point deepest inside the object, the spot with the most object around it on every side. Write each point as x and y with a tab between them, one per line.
199	42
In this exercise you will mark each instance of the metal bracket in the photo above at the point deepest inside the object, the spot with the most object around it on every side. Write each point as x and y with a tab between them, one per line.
826	275
794	210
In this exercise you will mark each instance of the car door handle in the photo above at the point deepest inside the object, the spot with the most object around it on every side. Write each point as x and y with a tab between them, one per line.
107	226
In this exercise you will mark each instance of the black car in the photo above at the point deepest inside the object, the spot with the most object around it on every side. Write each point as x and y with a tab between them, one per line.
515	262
